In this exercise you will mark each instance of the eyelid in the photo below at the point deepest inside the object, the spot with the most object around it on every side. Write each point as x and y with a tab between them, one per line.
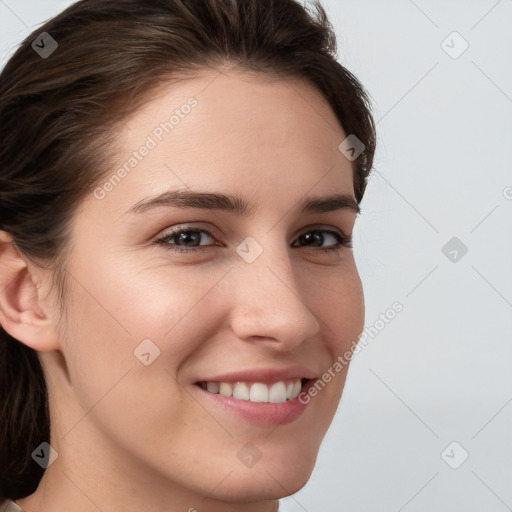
326	227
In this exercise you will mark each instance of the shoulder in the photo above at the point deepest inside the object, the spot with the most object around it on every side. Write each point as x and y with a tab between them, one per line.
10	506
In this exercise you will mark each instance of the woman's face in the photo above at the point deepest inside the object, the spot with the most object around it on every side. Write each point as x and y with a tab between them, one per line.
253	291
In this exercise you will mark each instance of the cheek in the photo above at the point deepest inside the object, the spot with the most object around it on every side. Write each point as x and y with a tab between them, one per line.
105	325
342	310
156	300
339	304
351	308
178	309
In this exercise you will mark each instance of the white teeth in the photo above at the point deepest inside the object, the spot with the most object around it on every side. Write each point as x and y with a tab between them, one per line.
277	393
296	389
241	391
226	389
257	392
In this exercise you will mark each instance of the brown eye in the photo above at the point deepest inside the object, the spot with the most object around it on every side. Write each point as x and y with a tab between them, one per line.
317	237
185	239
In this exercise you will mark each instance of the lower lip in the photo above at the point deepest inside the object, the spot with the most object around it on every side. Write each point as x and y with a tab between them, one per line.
265	414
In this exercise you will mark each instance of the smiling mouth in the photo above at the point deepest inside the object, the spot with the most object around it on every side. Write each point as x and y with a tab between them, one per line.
277	392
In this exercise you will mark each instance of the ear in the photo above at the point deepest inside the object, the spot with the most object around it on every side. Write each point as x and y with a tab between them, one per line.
23	312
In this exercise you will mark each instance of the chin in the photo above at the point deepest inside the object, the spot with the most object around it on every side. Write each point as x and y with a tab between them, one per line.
246	488
274	478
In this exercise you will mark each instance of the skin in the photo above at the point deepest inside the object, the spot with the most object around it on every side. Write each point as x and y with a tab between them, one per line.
134	437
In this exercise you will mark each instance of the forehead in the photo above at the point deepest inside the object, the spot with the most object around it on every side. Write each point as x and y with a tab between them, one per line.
248	134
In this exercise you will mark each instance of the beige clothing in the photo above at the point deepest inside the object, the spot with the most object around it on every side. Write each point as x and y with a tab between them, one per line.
10	506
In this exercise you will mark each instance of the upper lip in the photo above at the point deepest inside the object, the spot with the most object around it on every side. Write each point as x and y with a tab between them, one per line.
263	375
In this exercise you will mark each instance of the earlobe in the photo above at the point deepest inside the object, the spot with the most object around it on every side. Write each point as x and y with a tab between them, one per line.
22	313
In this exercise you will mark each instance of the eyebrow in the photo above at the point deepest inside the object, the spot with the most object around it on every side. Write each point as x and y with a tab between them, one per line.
237	205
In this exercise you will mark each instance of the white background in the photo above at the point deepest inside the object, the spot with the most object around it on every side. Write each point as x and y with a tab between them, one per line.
440	371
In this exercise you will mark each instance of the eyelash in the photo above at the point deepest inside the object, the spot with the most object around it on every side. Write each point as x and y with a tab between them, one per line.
343	241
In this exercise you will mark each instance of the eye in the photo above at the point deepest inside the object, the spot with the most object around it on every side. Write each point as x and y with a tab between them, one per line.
188	236
187	240
318	236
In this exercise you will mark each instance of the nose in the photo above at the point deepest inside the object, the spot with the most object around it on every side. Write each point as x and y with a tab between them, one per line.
268	305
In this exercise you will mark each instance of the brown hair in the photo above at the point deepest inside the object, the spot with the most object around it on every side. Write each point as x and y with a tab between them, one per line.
58	114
